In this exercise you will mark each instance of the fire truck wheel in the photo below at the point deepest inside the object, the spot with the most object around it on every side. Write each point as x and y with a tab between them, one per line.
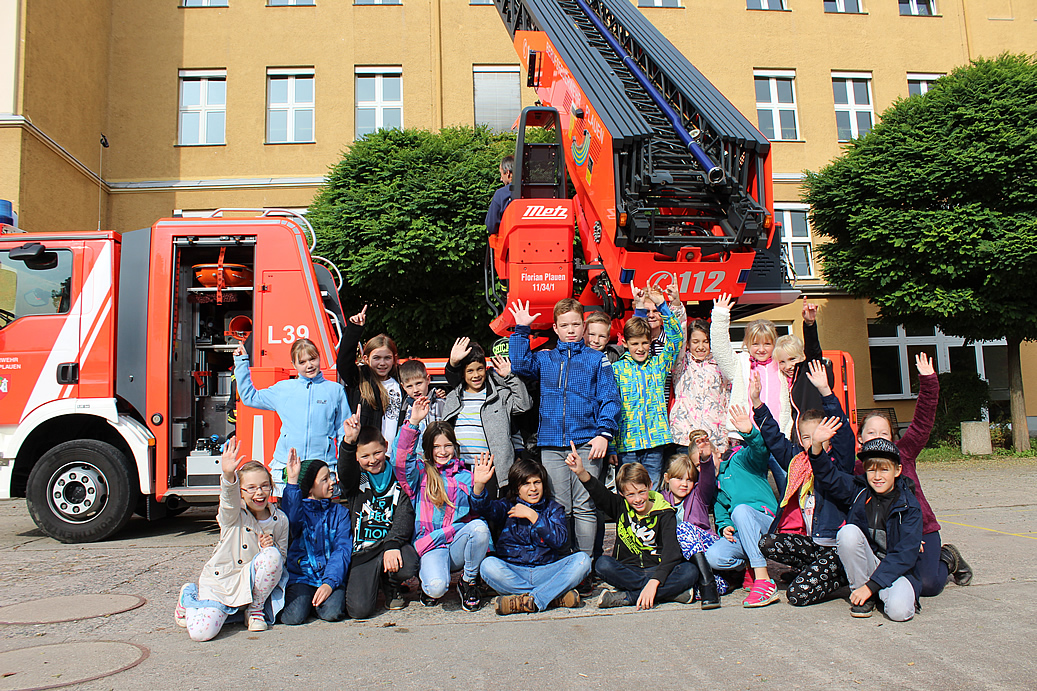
82	491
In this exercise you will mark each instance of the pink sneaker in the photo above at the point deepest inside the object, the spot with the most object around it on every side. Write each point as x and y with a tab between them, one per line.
762	594
747	582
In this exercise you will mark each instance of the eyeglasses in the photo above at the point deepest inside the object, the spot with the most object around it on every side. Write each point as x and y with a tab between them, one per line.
265	489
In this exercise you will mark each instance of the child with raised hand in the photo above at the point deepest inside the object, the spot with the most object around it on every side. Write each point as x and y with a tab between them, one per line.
373	385
383	522
756	356
689	486
579	404
646	565
656	323
793	354
416	382
447	536
701	394
311	408
321	544
245	568
532	570
802	535
879	545
744	509
641	378
937	560
481	408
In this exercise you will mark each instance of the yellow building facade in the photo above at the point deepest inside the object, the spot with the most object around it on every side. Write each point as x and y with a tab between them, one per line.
247	103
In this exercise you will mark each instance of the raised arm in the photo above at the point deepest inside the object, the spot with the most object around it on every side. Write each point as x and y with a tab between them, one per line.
674	337
262	399
720	338
811	343
523	360
917	434
513	391
345	361
406	461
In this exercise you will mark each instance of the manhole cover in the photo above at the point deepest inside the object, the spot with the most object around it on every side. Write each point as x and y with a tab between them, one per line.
61	664
70	608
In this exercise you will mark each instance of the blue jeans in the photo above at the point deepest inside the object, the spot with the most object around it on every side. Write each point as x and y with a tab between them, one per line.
544	583
631	579
567	490
651	459
465	553
750	526
298	603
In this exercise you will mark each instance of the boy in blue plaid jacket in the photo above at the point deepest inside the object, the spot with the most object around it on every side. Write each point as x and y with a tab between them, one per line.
579	407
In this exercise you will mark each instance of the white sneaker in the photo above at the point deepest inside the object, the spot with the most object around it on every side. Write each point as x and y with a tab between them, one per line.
255	620
179	613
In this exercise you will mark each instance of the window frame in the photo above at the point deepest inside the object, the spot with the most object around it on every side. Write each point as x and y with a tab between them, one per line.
941	342
780	8
852	107
678	5
291	3
781	209
775	107
382	2
930	5
291	105
67	260
379	104
842	4
924	78
782	327
205	3
204	77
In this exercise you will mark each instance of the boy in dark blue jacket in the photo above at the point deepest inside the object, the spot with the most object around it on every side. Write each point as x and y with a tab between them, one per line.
579	404
803	532
531	570
879	545
320	543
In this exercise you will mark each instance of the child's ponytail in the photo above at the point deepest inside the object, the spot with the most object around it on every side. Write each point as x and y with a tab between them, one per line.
373	391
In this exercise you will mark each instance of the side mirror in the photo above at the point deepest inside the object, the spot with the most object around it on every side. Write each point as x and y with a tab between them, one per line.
30	250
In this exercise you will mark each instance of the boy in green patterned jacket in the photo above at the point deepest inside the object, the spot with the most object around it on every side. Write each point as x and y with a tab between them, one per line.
644	429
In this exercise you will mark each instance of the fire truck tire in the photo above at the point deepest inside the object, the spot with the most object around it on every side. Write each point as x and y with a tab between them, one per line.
82	491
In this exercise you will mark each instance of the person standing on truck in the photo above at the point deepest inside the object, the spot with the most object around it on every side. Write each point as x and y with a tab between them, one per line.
312	409
502	197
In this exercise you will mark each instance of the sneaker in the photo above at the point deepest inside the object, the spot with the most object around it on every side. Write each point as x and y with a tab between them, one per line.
179	613
254	618
961	572
612	598
514	604
685	598
427	600
471	598
394	599
567	599
865	610
748	580
762	594
586	586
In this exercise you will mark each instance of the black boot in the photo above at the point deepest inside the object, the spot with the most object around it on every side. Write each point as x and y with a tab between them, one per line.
708	594
959	569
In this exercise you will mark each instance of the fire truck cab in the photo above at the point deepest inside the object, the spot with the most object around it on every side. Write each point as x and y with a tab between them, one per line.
116	360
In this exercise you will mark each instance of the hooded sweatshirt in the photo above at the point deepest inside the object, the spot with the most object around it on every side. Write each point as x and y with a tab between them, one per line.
742	479
312	413
647	542
434	526
320	546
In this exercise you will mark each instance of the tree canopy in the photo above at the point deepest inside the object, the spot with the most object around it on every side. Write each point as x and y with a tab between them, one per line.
933	214
402	214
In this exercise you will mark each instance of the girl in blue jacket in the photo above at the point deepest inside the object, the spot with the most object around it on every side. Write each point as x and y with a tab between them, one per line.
320	547
530	570
312	409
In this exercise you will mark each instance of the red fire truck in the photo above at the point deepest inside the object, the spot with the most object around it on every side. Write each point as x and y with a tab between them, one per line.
116	359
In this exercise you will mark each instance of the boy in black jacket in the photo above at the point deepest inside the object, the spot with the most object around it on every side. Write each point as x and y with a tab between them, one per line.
383	521
647	565
879	545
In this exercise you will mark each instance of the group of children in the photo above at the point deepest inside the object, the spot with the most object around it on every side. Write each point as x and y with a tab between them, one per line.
382	478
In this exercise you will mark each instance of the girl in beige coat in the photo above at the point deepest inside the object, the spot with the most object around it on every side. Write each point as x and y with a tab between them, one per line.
246	564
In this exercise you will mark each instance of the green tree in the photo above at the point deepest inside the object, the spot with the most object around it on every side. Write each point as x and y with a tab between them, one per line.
402	214
933	214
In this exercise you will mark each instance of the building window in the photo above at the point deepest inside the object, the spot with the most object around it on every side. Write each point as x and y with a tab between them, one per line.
497	96
853	104
379	99
378	2
204	3
893	349
918	8
796	242
776	105
658	3
843	6
737	332
919	83
284	3
290	106
765	4
480	2
203	107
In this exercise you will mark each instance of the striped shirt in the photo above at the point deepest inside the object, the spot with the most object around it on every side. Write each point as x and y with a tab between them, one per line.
471	436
